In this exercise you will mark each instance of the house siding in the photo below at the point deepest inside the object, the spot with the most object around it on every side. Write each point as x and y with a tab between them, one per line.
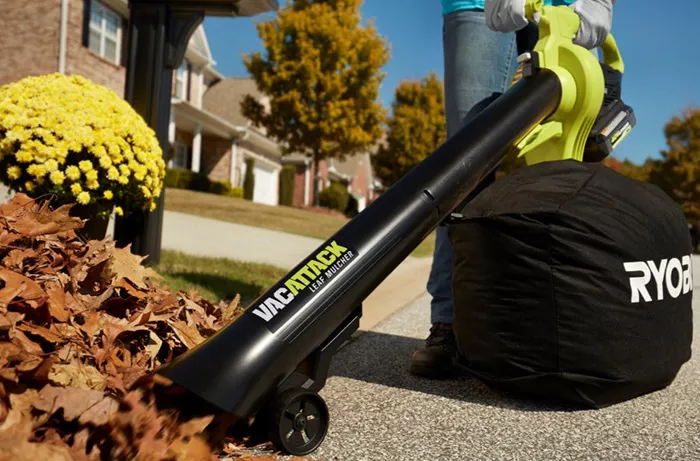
29	33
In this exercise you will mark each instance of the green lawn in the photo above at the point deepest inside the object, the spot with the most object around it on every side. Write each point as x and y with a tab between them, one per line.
216	278
280	218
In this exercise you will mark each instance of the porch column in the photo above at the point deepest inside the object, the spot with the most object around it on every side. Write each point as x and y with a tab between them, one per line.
307	182
197	149
234	163
171	135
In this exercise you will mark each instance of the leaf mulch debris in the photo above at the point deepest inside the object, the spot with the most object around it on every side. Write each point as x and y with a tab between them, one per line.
82	326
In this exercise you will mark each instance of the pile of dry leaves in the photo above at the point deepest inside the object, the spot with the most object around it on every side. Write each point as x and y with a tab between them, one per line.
81	326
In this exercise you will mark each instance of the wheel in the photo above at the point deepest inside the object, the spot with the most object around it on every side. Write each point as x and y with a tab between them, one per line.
298	421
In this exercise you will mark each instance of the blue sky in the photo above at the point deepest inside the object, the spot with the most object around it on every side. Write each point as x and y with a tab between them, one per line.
660	50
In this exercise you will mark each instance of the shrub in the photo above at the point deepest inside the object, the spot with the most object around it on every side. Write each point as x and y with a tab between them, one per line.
352	209
178	178
236	192
67	137
335	197
249	180
286	187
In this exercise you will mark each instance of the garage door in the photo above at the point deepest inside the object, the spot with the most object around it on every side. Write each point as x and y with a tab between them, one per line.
265	190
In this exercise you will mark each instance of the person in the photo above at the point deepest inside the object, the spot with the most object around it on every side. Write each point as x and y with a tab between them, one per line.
479	52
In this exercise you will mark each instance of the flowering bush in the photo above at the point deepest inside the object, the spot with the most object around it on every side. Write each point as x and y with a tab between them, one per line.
66	137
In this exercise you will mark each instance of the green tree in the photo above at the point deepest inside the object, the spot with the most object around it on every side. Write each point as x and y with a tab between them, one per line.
415	129
678	170
321	70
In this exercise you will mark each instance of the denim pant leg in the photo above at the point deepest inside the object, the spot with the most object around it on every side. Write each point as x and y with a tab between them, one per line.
479	64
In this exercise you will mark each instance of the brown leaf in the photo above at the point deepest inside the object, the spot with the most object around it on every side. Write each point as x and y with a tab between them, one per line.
17	286
45	333
33	221
88	406
77	375
194	449
21	340
15	258
26	451
189	336
130	288
124	264
8	323
232	310
57	302
195	425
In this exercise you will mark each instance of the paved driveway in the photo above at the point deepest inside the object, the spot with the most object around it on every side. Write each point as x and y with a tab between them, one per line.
380	412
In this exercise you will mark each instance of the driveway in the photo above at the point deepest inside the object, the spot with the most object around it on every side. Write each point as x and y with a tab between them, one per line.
381	412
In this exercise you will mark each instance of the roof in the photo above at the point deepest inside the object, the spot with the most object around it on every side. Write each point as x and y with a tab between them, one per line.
225	96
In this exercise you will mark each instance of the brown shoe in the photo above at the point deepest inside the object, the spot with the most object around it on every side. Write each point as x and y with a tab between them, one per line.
436	359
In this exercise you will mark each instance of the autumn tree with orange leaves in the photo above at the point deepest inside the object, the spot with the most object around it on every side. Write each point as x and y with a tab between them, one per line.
678	170
415	129
321	69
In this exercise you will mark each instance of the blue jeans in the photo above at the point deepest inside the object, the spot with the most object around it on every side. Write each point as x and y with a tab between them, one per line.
479	64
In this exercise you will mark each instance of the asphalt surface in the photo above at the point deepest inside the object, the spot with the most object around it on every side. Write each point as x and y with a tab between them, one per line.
381	412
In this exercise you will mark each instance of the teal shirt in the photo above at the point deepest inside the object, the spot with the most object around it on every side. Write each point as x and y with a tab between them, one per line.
449	6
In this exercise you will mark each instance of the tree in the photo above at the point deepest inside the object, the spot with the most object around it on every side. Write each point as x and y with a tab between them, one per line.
678	171
415	129
631	169
322	73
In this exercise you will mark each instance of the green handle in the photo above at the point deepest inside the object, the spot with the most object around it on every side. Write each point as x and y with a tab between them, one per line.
568	23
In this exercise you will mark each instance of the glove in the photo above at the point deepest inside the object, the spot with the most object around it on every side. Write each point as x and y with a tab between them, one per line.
595	15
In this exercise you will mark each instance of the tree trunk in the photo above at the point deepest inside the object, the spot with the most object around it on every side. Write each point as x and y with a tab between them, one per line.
317	178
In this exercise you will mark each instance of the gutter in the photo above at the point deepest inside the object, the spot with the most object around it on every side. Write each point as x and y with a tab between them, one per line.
62	34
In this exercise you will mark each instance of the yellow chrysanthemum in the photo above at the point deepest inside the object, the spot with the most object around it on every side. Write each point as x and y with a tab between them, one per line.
14	172
113	174
92	184
24	157
153	206
108	194
51	165
48	120
85	166
83	198
57	177
36	170
118	211
105	162
29	186
73	173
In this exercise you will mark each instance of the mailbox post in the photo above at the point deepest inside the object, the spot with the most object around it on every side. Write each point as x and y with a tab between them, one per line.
159	31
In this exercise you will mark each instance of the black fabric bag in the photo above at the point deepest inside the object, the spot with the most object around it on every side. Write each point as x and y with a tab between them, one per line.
548	297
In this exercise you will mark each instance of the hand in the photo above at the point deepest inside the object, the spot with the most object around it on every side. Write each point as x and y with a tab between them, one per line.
505	15
595	15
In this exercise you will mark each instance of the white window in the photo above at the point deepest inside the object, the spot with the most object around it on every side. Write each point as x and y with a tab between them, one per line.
180	156
181	81
105	32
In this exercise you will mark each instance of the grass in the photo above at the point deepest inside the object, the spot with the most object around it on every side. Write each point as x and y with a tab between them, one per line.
216	278
280	218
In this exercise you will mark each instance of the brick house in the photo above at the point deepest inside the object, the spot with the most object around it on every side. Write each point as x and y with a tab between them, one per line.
87	37
207	132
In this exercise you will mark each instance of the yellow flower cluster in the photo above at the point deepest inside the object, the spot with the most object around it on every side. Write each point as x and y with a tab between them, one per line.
66	136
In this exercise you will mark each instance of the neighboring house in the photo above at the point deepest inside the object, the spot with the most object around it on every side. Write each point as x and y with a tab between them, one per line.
207	132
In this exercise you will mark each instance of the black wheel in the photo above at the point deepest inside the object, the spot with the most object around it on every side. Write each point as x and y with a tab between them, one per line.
298	421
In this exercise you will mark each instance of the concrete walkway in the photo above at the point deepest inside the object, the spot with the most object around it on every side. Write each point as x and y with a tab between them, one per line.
381	412
210	237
